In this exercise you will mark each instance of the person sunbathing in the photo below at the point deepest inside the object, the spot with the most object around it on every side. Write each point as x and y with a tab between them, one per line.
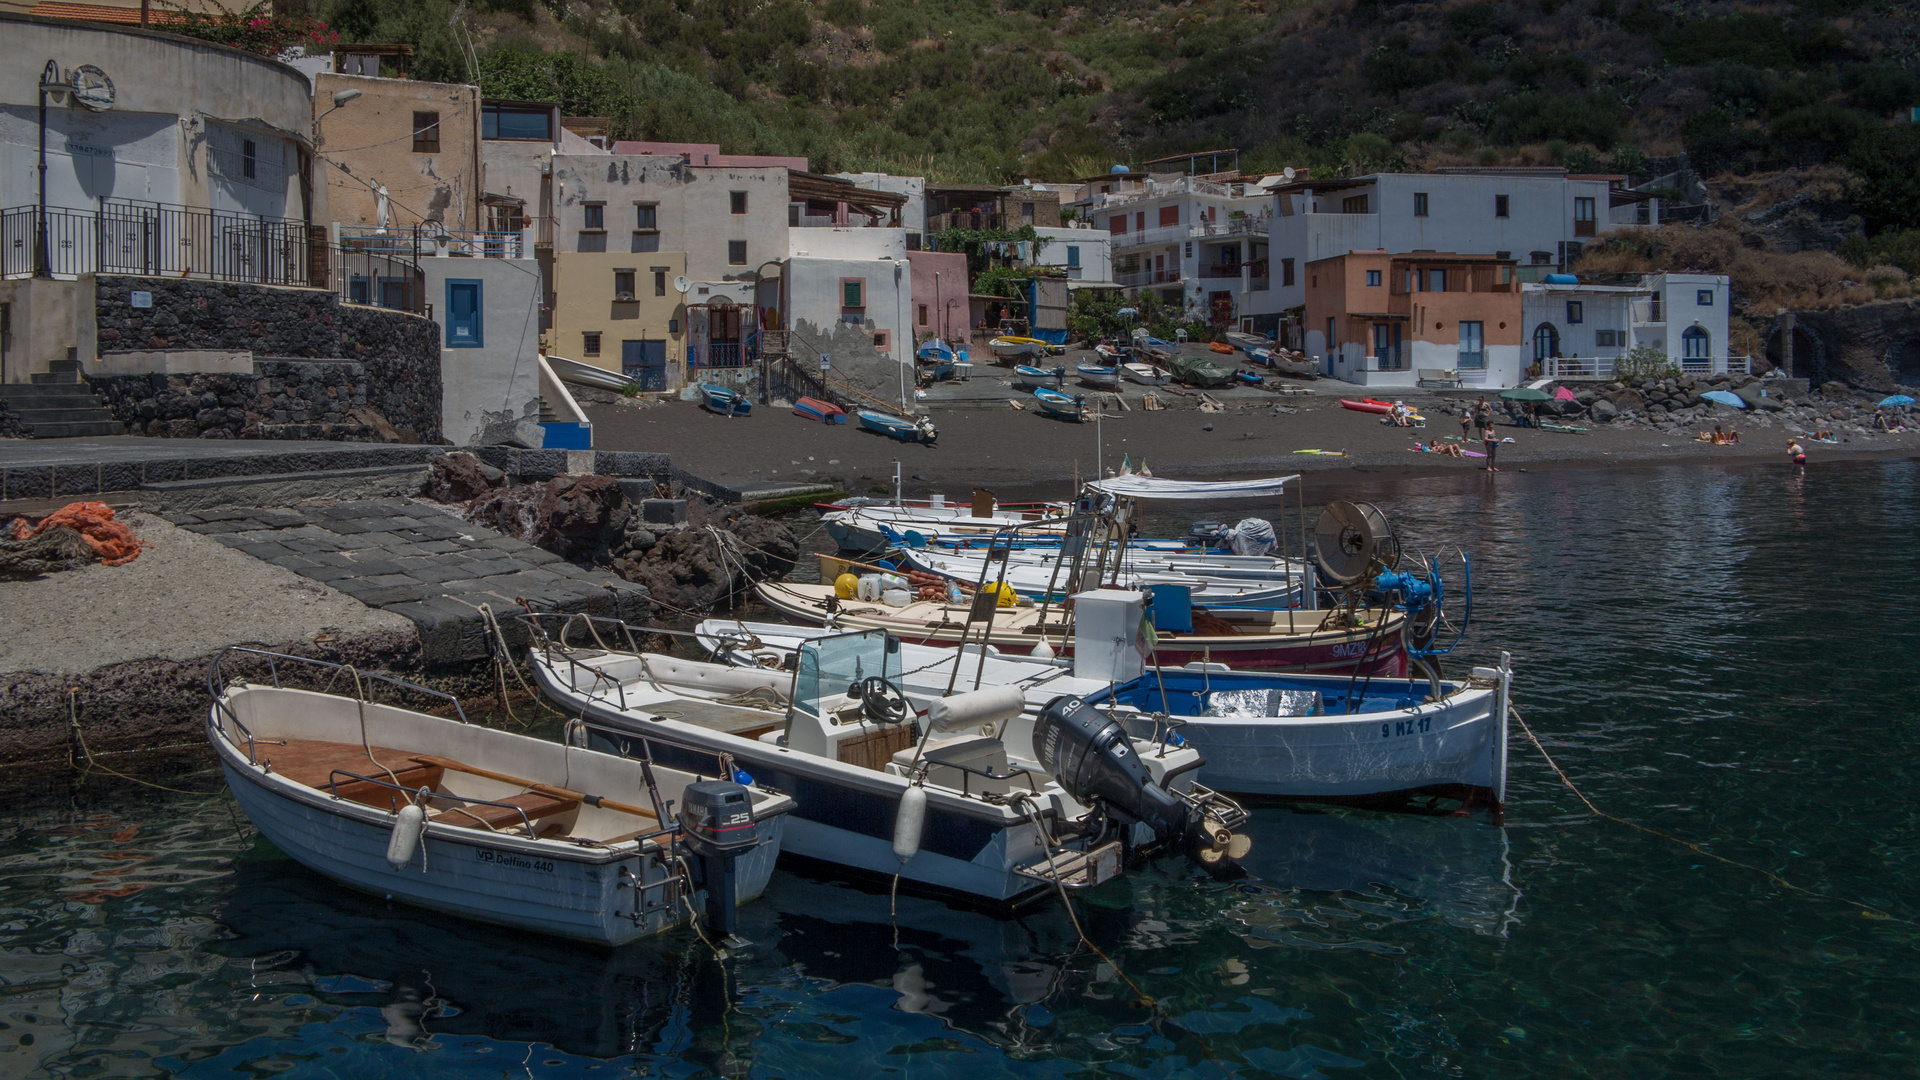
1733	436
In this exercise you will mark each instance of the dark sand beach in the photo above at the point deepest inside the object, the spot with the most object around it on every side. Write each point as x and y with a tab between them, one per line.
990	444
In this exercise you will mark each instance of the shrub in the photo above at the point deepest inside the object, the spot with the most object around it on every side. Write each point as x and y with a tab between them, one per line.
1887	161
1537	116
1645	362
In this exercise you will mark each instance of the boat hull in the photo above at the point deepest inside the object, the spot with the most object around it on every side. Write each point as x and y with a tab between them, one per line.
1031	378
894	428
824	411
1103	378
725	402
1366	406
1056	404
1145	374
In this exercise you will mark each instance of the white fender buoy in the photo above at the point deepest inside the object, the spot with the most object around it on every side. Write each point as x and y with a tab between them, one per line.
1043	651
908	822
408	824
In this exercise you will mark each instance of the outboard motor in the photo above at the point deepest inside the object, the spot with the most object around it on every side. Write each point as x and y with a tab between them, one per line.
716	817
1093	759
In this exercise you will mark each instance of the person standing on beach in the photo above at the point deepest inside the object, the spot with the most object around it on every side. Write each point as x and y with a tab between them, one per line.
1490	440
1795	454
1466	424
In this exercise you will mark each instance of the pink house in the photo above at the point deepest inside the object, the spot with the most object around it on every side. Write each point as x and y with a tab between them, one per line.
707	154
939	295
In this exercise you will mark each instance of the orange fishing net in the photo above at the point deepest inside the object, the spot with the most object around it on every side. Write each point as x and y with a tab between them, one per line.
112	542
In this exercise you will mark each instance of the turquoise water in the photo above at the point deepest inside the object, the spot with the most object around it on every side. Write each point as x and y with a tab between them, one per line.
1723	656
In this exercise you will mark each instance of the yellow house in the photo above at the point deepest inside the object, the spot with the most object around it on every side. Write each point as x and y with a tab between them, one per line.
622	311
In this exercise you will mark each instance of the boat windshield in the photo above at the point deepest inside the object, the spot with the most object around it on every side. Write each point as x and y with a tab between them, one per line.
828	666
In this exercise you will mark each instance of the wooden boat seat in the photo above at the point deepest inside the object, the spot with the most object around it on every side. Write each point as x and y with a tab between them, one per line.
313	763
536	804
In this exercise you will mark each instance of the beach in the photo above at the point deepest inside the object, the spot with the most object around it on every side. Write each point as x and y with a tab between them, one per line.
985	442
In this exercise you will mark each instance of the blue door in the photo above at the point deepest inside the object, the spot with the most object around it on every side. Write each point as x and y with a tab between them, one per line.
645	362
463	314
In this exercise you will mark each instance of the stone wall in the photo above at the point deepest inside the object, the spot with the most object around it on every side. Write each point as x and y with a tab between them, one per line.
319	361
1872	347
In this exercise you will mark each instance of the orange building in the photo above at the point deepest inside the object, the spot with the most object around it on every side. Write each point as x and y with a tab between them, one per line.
1394	320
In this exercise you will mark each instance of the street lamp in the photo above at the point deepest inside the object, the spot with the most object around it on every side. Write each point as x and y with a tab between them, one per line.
340	97
43	258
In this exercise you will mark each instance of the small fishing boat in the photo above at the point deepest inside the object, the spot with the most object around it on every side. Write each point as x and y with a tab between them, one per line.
824	411
1260	355
1111	355
1009	349
1099	376
1369	640
1250	378
1055	403
934	360
483	824
874	528
1028	377
1247	343
918	430
934	349
974	794
719	399
1300	367
1157	347
1372	405
1201	371
1146	374
1042	573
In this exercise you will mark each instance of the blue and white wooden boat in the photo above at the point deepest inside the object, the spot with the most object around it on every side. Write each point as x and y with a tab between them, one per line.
470	821
1055	403
1329	737
1028	377
1261	355
976	765
935	360
816	409
719	399
917	430
1099	375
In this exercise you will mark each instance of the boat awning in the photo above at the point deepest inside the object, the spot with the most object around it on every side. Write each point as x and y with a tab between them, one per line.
1154	487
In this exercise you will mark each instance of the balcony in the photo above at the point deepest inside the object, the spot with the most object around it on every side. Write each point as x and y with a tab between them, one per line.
420	242
966	219
1649	311
159	240
1165	235
1244	226
1141	278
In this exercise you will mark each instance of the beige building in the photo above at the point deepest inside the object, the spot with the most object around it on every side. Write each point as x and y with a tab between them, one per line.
401	154
622	311
731	222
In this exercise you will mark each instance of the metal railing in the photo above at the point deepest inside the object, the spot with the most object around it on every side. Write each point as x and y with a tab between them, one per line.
734	354
383	280
121	236
1148	277
417	242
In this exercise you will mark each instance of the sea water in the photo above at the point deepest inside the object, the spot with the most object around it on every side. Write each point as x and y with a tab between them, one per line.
1725	658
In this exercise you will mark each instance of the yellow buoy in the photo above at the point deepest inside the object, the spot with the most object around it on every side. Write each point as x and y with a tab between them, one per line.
845	586
1008	598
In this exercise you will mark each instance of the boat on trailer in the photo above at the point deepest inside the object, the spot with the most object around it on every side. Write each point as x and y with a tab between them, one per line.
970	794
483	824
726	402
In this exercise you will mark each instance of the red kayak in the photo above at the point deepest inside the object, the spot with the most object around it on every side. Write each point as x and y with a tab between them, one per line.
824	411
1373	405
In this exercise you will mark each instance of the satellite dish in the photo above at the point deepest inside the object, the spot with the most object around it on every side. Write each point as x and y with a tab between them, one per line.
681	284
1352	538
1288	173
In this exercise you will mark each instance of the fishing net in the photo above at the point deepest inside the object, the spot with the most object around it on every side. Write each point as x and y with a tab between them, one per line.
46	552
111	542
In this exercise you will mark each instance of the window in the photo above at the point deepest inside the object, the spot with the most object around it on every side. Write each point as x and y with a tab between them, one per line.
1583	217
1473	351
1436	281
594	216
516	122
1169	215
1026	212
590	343
426	133
881	340
623	285
1607	339
646	216
463	314
736	253
1419	204
249	159
1117	225
1140	221
1073	257
853	292
1331	343
659	283
1695	344
1576	312
1353	204
1546	342
1286	272
739	200
1703	298
1373	277
1189	249
1499	206
646	241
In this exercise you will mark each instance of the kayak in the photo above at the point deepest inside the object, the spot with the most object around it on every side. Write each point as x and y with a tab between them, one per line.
1372	405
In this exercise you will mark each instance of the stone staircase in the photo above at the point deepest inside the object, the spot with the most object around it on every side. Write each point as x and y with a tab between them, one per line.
57	405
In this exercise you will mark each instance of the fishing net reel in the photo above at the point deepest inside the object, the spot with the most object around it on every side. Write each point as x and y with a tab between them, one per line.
1436	592
1352	544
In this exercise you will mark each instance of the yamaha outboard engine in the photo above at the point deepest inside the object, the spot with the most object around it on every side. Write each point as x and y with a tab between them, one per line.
1094	760
716	817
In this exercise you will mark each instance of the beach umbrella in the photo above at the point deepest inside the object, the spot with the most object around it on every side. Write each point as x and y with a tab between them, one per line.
1525	393
1724	397
1127	312
1897	399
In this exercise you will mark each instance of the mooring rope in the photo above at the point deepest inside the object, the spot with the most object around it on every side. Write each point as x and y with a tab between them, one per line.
1867	910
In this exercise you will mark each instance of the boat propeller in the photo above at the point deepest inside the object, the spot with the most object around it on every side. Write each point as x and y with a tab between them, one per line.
1215	844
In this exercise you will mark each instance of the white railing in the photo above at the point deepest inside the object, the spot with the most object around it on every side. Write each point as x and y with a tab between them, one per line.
1601	368
1648	310
1163	234
424	242
1147	277
1246	226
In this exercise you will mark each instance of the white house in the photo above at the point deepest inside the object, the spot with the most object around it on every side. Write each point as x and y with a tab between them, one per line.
488	310
1085	253
1197	242
849	292
1578	330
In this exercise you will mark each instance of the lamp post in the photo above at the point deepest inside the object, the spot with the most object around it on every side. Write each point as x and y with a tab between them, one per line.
42	257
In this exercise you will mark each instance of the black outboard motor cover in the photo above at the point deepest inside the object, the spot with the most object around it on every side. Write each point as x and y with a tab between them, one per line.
716	817
1091	756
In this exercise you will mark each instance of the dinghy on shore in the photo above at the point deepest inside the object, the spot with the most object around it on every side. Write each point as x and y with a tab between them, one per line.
483	824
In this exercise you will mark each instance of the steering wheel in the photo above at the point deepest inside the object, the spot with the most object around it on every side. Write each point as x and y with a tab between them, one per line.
882	702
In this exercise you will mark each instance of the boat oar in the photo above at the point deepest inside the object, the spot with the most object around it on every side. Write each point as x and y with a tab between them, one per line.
538	789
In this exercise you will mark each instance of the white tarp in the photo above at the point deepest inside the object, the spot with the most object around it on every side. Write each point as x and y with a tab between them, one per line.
1153	487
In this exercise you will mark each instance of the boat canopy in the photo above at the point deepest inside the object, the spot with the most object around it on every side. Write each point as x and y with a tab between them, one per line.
1154	487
